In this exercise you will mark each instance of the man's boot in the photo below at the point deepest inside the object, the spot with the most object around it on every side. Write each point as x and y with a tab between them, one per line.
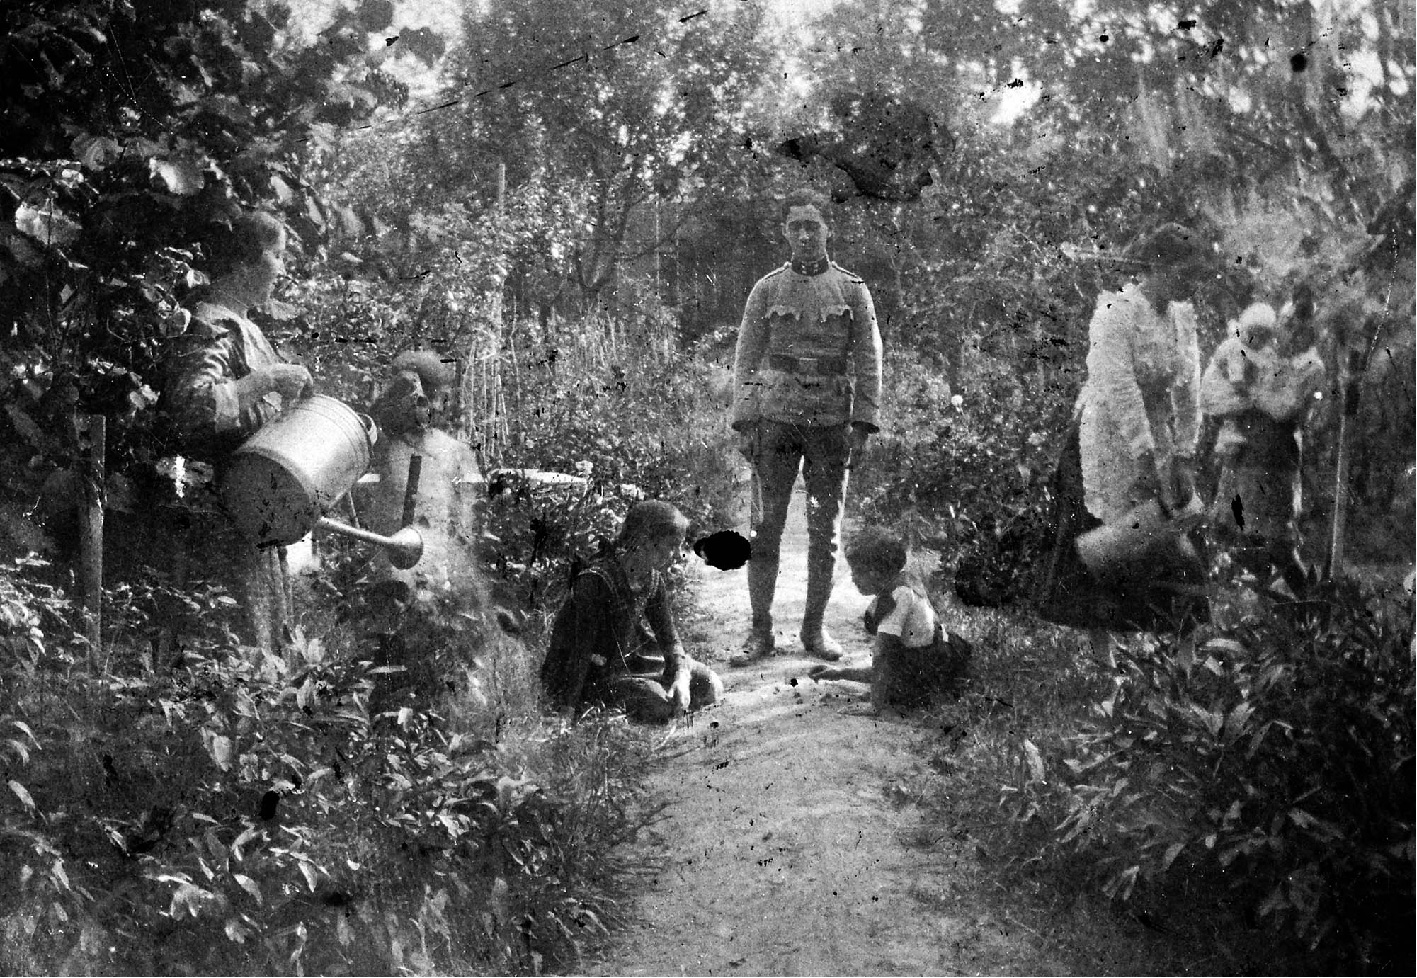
762	582
815	638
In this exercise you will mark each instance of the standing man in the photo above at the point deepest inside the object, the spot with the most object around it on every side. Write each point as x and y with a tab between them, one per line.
807	383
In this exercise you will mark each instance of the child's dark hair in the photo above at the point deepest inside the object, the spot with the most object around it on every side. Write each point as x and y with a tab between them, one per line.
876	549
649	520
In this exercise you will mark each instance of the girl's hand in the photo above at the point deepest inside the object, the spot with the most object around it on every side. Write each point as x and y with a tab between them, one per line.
857	445
679	695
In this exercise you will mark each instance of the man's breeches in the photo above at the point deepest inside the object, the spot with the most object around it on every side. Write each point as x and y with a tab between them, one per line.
821	453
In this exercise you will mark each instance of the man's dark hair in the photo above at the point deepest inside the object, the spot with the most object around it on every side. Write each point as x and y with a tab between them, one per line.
803	198
1171	246
877	549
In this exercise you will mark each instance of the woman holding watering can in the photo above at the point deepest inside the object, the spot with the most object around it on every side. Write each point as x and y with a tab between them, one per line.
1126	479
225	381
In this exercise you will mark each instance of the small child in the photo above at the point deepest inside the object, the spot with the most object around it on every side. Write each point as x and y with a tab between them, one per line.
595	656
914	662
1260	382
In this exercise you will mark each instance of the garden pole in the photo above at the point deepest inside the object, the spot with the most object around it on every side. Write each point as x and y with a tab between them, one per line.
92	432
1352	383
461	402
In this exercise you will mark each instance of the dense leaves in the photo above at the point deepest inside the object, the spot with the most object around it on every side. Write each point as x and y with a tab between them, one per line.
1274	758
255	816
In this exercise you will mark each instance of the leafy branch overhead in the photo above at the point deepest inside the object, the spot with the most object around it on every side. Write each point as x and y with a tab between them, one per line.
132	127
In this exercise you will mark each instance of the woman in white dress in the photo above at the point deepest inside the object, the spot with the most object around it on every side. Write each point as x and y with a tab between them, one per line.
1133	440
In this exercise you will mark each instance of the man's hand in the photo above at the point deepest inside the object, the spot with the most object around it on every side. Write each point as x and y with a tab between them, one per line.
856	444
748	442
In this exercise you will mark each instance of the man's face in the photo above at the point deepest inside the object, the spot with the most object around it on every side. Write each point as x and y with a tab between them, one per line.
807	233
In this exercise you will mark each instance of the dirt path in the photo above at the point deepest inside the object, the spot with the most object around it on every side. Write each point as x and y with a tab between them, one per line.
788	829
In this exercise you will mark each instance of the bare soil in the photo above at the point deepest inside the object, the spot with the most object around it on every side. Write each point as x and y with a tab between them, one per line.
792	845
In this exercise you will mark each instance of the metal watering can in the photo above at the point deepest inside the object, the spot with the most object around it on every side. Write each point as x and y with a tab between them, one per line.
279	483
1139	536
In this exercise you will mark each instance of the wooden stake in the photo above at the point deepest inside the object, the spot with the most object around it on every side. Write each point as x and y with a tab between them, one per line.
92	431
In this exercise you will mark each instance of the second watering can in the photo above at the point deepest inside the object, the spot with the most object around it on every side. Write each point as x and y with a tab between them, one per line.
1137	537
283	478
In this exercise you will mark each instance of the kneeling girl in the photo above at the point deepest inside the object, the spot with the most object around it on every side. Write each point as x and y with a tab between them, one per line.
598	641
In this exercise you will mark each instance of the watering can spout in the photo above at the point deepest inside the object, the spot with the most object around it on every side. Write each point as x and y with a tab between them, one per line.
405	547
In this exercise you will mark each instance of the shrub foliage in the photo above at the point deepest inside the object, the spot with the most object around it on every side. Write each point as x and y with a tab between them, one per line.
242	816
1274	760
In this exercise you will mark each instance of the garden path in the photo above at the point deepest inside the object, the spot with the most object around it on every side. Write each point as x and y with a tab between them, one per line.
791	846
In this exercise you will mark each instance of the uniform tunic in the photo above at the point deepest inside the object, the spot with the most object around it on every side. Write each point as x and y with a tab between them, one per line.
808	365
827	324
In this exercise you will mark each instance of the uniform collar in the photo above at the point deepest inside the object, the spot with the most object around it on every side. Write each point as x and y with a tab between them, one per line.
812	267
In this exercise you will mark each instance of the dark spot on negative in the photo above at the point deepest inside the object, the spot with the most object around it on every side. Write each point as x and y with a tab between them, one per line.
1237	507
726	549
1299	61
269	801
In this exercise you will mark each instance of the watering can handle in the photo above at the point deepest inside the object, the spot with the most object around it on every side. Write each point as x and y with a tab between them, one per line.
370	429
410	492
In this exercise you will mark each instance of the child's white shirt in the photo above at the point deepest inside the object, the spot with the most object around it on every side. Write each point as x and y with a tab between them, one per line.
912	620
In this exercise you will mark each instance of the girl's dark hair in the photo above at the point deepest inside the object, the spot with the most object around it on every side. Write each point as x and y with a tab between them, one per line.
253	234
650	519
877	549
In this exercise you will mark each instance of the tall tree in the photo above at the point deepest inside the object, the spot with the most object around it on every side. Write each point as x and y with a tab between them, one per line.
616	105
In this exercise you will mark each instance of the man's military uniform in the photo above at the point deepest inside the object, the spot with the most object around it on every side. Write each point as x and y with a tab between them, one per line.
807	368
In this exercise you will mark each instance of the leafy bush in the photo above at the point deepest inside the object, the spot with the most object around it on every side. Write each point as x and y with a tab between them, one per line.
258	816
1273	760
966	472
654	429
